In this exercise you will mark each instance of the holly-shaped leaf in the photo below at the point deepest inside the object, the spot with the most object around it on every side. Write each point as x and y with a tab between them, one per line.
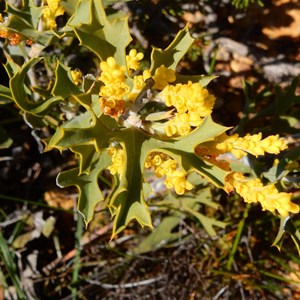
5	140
128	199
171	56
287	226
21	94
64	86
89	192
86	154
277	172
95	32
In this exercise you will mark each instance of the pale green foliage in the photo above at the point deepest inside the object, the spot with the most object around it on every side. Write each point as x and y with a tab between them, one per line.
89	133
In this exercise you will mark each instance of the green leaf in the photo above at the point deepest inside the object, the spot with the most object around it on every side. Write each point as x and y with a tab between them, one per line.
207	222
29	12
190	204
206	132
211	172
11	67
181	207
286	98
204	80
64	86
110	2
161	236
86	155
83	130
95	32
183	148
128	199
22	98
5	95
280	170
85	133
287	226
89	192
8	258
5	140
171	56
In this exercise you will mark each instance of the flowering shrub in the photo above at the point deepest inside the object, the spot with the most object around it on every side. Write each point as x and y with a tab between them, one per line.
126	120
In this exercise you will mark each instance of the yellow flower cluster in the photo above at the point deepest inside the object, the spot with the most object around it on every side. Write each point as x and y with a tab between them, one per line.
50	11
114	77
165	166
114	88
253	191
117	157
112	107
192	103
253	144
111	72
241	146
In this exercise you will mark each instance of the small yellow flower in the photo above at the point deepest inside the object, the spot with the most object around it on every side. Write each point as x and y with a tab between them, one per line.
76	76
133	59
138	85
114	88
111	72
117	90
179	125
177	180
162	77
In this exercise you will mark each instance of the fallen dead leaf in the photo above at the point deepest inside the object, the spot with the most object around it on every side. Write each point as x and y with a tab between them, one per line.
56	198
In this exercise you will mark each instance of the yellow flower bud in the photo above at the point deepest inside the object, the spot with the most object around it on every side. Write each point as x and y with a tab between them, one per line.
49	12
133	58
163	76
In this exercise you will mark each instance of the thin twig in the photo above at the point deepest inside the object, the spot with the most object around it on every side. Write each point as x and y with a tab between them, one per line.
125	285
